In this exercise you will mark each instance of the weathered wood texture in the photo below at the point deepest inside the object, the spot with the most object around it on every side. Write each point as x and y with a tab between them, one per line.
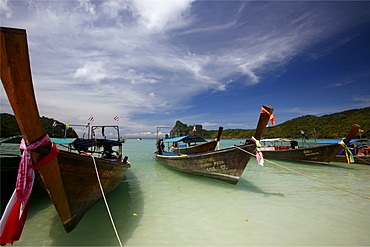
17	82
225	164
81	183
320	153
69	179
358	159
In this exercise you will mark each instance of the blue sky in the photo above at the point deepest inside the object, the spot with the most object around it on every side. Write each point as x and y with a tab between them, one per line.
213	63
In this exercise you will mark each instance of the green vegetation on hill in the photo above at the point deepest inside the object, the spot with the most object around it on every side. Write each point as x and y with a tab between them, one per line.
9	127
332	126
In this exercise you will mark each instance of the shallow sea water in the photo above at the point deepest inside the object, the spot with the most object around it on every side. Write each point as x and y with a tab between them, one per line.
270	206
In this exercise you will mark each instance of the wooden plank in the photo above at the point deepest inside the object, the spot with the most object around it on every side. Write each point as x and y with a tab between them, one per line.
17	81
226	164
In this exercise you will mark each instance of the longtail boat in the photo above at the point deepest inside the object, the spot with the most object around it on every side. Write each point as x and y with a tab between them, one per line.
70	178
9	161
226	164
357	159
8	174
190	144
320	153
357	147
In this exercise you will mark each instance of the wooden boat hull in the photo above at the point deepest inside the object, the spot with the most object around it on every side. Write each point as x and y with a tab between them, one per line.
79	180
358	159
81	183
9	170
70	178
199	148
226	164
321	153
324	153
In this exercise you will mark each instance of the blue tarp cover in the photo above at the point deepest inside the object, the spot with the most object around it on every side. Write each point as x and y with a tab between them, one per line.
169	154
61	141
17	139
336	141
186	139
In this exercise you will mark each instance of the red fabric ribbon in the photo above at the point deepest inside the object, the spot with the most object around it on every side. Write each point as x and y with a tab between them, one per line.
272	117
15	214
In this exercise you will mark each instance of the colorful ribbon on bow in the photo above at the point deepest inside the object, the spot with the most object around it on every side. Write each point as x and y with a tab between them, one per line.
349	155
272	117
259	155
15	214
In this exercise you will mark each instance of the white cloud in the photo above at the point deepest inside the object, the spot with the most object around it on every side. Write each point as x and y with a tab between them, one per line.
5	8
120	57
362	98
157	15
91	71
88	6
208	124
339	84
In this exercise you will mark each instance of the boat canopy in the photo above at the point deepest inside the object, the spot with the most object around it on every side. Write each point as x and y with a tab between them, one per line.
60	141
93	142
186	139
17	139
276	140
337	141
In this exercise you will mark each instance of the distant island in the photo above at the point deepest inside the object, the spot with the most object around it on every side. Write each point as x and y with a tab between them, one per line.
332	126
9	127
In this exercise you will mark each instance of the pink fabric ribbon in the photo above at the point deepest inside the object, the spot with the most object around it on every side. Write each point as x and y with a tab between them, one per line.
259	155
15	214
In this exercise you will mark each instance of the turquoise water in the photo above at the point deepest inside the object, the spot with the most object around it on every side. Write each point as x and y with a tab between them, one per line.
270	206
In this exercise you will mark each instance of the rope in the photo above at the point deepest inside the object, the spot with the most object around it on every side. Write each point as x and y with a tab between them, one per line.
363	160
105	200
317	180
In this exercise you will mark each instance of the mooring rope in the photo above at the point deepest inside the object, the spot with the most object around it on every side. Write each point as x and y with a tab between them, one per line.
317	180
105	200
363	160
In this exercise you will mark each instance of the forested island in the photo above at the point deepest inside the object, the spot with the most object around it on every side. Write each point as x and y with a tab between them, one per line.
332	126
9	127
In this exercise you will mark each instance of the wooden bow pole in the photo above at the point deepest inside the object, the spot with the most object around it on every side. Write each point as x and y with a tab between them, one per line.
17	81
